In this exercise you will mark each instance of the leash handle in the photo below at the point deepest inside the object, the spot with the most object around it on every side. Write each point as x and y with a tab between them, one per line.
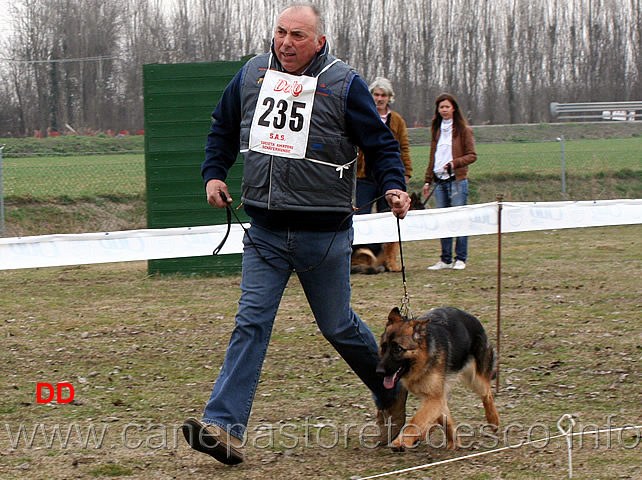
229	225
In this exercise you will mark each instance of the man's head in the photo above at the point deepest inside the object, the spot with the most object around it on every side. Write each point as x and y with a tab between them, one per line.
298	37
383	84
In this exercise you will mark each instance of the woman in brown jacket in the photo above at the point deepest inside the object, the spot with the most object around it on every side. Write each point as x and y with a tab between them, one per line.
452	149
367	188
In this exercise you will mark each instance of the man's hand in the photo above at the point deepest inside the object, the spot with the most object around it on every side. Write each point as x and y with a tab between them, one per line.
214	188
399	201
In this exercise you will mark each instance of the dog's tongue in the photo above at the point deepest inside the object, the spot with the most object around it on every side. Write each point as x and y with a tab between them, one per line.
390	380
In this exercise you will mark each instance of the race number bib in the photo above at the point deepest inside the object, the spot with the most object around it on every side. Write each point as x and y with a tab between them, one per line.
281	122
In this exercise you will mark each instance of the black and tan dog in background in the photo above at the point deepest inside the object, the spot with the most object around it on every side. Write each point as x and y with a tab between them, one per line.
375	258
380	257
427	355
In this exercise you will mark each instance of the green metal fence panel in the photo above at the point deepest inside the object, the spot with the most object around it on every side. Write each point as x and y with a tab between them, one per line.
179	100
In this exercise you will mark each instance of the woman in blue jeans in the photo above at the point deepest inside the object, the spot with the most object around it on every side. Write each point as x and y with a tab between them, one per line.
452	149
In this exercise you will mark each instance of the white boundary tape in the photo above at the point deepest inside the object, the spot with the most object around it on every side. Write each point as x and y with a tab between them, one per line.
469	220
566	433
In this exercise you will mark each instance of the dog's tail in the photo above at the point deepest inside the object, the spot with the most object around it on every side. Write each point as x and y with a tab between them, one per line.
366	269
486	359
364	261
493	361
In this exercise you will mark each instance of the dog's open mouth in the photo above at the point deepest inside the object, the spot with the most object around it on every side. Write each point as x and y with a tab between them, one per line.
389	381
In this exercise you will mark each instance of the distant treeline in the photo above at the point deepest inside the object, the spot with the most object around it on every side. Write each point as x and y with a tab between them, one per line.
77	65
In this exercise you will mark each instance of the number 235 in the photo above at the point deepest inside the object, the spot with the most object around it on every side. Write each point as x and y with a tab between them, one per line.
280	117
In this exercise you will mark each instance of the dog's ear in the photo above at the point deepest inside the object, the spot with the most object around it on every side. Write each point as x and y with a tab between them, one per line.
394	316
419	329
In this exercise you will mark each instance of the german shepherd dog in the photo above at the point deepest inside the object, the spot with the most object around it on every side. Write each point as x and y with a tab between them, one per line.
375	258
427	354
380	257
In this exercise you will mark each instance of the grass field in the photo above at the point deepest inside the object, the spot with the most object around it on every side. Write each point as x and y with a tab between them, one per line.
77	177
62	168
142	352
581	156
89	193
74	177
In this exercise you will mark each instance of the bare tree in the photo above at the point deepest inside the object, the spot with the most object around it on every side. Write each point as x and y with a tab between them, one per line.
79	62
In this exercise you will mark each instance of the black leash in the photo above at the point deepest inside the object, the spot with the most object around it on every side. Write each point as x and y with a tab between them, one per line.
436	181
405	301
230	212
229	225
430	193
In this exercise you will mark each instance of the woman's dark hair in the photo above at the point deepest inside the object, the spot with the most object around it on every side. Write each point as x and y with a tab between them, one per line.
459	121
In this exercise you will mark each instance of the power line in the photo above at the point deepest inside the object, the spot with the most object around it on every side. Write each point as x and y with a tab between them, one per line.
60	60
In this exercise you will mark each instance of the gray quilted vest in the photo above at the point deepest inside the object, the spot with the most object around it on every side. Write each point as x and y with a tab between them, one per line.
279	183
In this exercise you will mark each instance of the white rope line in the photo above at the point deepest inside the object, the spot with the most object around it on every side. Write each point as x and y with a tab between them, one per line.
569	440
443	462
566	433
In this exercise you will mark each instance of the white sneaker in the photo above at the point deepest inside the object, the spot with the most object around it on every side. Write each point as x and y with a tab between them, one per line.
459	265
441	266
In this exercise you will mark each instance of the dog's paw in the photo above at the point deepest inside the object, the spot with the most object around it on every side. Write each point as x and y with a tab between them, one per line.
397	446
454	445
401	444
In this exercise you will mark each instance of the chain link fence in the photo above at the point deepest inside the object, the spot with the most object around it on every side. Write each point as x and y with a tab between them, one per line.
548	171
74	179
522	172
43	194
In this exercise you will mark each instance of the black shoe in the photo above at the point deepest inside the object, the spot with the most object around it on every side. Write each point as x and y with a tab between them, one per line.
213	440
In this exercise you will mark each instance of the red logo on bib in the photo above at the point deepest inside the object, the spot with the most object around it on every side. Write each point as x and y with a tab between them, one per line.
284	86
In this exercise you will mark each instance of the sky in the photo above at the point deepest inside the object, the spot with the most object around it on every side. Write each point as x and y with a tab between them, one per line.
4	18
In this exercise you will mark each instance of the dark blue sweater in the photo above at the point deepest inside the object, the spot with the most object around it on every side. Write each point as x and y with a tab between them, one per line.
364	128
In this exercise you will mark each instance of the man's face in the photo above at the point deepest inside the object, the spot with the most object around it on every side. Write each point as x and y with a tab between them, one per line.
295	39
381	98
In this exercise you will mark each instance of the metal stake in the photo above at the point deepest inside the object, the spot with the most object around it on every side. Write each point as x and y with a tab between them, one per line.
2	231
561	140
500	198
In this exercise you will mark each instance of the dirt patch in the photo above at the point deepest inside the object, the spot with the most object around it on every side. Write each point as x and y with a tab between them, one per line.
26	217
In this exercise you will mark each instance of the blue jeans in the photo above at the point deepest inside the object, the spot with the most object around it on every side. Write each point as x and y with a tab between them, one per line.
327	289
367	191
452	194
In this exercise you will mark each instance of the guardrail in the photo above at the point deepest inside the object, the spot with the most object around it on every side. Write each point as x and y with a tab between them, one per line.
609	111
